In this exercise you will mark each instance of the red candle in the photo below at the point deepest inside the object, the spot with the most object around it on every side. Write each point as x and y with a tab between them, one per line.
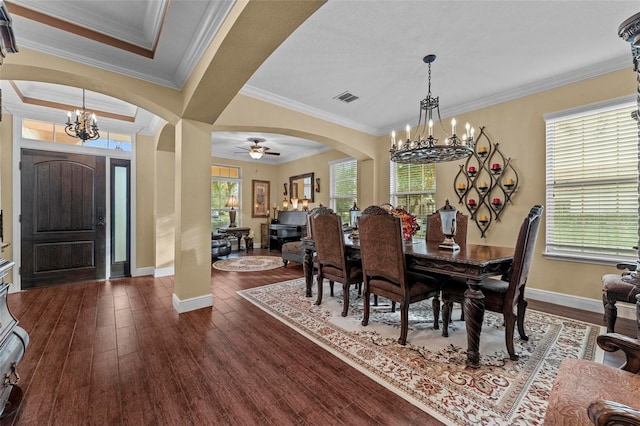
472	169
495	166
496	201
472	202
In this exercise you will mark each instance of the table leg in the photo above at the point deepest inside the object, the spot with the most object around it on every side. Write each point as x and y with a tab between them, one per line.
474	315
307	264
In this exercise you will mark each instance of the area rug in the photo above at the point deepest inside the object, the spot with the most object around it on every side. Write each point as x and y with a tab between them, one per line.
249	263
430	370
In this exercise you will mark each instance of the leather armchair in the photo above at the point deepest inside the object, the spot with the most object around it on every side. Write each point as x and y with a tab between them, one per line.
220	246
587	392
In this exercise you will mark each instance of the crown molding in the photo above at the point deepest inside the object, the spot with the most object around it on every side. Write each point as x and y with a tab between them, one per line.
272	98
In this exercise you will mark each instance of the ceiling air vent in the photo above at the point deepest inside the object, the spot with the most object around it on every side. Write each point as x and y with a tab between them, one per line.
346	97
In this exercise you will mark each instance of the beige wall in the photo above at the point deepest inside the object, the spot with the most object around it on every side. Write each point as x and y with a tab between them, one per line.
145	184
519	127
6	180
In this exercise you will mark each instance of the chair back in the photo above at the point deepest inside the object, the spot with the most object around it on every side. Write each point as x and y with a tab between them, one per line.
381	246
312	213
434	228
329	238
523	255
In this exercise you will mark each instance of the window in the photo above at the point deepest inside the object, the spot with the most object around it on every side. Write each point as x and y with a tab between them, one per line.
413	187
52	132
225	182
592	182
343	176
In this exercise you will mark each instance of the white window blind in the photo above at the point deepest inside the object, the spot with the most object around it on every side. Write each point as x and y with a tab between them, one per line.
343	175
413	187
592	183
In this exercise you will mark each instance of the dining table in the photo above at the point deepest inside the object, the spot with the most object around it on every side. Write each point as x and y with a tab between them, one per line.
473	263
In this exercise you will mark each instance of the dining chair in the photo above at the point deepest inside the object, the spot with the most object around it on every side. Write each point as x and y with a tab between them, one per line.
435	235
434	228
614	289
505	294
331	255
384	268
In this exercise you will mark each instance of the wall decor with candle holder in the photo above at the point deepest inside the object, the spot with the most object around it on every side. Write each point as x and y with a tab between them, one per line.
486	183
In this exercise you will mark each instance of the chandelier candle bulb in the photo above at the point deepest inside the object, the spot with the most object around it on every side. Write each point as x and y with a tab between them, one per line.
430	127
453	126
467	127
408	128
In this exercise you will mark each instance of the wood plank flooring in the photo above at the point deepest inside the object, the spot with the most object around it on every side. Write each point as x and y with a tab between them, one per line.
116	352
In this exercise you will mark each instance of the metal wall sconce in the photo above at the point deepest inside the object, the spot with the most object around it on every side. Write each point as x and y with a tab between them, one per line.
317	184
486	183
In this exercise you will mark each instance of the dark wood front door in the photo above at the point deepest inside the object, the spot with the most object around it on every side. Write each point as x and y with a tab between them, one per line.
62	218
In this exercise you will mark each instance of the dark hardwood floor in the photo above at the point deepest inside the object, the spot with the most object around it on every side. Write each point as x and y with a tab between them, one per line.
116	352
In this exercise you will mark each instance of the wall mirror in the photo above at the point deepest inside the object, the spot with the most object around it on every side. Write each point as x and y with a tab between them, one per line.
301	186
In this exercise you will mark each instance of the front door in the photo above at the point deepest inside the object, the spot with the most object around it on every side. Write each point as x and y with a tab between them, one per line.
62	218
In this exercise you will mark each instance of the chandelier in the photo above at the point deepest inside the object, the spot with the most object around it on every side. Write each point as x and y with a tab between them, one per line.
425	149
85	126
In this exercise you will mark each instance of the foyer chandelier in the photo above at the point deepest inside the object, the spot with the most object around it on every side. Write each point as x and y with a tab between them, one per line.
425	149
85	125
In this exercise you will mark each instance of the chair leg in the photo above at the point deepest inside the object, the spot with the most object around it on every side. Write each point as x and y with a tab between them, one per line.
451	310
393	306
319	298
365	301
610	312
404	322
375	300
462	312
435	304
331	287
522	309
345	299
359	289
509	328
446	317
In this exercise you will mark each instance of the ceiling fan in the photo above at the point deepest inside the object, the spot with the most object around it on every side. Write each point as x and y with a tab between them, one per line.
257	151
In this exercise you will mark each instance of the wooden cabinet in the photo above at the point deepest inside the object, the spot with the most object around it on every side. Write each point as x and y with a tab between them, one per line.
264	235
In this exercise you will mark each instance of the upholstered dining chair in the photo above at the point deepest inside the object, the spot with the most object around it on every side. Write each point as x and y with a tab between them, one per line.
615	290
506	294
434	228
435	235
384	268
331	255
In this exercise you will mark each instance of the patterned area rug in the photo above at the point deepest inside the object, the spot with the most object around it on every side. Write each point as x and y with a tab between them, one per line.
249	263
430	370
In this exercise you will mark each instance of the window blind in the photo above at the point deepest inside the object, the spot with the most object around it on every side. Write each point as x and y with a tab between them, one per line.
343	176
592	183
413	187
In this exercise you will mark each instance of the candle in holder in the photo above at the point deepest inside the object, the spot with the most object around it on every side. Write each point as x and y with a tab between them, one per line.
483	218
472	169
495	166
472	202
461	186
484	185
482	150
509	182
497	201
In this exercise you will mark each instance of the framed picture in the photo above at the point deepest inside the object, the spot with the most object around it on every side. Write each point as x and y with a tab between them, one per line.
260	197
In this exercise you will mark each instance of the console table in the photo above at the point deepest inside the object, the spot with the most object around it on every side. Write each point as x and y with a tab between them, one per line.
236	232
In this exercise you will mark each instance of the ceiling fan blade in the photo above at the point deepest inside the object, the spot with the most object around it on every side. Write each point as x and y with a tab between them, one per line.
271	153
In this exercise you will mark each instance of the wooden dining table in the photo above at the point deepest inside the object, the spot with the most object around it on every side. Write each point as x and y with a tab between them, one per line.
473	263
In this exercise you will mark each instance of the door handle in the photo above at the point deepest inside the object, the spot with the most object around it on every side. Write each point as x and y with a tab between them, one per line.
100	221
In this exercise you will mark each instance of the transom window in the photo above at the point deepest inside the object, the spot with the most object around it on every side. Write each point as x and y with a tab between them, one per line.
592	182
54	132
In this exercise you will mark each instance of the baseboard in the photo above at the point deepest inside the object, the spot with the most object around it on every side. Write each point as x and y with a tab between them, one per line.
625	310
164	272
139	272
187	305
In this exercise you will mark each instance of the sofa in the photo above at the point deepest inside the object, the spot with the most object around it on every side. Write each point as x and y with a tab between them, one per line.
220	246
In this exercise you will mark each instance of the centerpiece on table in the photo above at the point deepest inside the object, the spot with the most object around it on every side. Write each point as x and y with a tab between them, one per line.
409	223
